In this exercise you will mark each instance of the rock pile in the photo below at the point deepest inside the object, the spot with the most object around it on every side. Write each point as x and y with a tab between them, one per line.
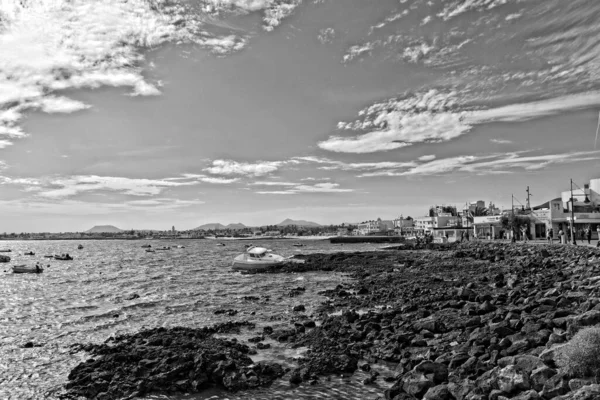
168	360
471	321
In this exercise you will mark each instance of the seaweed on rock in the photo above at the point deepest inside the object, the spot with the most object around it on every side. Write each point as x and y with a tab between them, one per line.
168	360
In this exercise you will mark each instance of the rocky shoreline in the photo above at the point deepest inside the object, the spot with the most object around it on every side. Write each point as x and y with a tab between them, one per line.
469	321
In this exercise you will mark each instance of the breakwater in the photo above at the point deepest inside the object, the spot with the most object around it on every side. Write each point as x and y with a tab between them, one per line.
366	239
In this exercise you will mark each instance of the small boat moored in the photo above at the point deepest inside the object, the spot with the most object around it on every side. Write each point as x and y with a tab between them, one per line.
146	246
164	248
29	253
5	251
4	259
299	244
79	247
63	257
48	256
24	269
150	251
220	244
256	259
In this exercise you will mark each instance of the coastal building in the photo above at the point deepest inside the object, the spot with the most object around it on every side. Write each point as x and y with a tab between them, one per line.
377	226
428	224
404	226
559	213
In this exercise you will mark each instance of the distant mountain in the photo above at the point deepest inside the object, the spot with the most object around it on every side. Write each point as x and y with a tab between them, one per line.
213	226
216	226
298	222
104	229
236	226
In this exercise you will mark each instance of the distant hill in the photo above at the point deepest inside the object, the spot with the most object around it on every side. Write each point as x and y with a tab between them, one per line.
216	226
298	222
104	229
236	226
212	225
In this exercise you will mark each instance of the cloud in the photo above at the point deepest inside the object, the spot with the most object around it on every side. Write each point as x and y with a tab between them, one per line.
499	163
458	7
219	181
61	105
274	183
63	187
326	35
325	187
56	45
81	208
427	157
203	178
358	51
433	117
229	167
501	141
274	11
358	166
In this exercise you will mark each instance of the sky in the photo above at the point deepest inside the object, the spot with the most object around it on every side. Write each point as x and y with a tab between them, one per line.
147	114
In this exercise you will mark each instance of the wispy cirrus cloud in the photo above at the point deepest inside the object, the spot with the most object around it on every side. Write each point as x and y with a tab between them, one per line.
230	167
498	163
433	117
274	183
71	186
205	178
500	141
324	187
86	208
328	164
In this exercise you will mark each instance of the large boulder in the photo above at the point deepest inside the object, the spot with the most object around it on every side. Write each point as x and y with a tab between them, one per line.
556	386
510	380
540	376
590	392
416	384
440	392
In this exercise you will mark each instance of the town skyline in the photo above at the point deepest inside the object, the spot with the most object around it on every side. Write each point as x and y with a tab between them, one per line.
324	110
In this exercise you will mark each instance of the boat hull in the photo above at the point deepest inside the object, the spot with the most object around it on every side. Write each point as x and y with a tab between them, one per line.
244	262
23	269
254	267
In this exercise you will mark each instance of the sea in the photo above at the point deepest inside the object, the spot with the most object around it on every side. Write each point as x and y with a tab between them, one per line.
114	287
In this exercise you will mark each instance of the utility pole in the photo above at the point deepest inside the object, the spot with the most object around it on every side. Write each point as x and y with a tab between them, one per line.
512	209
528	207
572	215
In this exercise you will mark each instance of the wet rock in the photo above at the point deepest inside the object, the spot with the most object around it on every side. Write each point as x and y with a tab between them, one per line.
29	345
229	312
299	308
416	384
132	296
169	360
309	323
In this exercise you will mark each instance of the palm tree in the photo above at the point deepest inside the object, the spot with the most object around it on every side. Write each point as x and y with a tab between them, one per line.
477	212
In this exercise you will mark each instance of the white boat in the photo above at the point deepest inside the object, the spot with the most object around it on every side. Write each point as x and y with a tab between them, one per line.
24	269
256	259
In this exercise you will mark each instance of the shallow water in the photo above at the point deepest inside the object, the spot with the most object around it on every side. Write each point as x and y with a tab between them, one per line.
85	300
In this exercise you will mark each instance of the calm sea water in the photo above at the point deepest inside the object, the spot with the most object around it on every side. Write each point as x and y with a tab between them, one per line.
85	300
